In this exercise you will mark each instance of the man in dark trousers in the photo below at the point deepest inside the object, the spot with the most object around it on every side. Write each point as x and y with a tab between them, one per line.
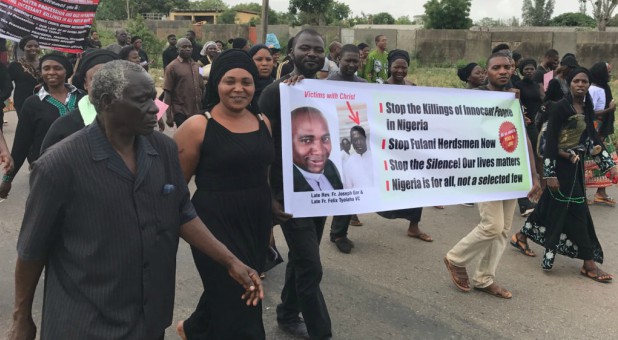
106	209
301	291
171	52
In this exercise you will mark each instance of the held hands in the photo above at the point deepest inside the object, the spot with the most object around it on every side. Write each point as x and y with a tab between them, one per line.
553	184
249	279
22	329
279	215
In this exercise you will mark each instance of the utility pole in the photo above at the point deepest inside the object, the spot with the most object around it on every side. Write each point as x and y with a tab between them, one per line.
264	20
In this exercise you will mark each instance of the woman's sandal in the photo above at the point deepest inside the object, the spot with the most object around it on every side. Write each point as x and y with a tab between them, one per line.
421	236
608	201
522	246
459	275
596	274
496	290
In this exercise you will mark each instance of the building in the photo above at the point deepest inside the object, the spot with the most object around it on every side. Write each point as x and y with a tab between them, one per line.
211	16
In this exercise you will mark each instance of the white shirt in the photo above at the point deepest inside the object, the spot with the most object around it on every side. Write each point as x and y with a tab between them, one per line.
598	97
330	67
358	171
318	182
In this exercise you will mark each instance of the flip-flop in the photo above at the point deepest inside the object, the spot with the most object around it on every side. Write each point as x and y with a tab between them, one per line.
515	242
608	201
595	275
458	274
356	223
497	291
422	236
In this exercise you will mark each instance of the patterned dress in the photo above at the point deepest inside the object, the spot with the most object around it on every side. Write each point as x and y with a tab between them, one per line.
562	222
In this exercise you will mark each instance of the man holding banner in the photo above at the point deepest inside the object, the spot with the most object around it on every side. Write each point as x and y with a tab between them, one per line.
488	240
301	291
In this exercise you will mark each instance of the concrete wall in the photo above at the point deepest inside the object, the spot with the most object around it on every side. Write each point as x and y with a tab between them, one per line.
428	46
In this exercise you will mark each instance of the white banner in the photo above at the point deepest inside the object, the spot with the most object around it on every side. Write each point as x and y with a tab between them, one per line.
356	148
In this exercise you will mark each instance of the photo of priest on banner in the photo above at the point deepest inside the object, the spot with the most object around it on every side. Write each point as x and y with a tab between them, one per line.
311	147
357	169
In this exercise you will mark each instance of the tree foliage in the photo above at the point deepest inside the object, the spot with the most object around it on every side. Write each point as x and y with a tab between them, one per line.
312	11
537	12
207	4
403	20
573	19
383	18
602	12
448	14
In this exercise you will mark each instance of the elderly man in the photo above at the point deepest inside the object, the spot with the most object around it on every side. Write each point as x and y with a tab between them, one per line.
357	171
183	85
121	41
106	209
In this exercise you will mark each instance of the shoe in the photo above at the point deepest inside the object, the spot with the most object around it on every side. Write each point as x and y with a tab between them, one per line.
295	328
468	204
526	211
344	244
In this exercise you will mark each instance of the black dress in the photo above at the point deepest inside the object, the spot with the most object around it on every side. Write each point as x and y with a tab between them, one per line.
233	199
561	221
25	82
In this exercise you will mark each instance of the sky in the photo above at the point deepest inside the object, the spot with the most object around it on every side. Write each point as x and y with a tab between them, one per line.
495	9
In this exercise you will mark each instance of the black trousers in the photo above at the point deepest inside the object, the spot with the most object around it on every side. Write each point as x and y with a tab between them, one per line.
339	226
301	291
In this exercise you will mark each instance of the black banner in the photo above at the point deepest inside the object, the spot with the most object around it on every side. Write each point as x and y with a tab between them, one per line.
59	25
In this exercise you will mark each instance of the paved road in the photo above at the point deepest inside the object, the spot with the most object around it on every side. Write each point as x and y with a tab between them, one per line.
395	287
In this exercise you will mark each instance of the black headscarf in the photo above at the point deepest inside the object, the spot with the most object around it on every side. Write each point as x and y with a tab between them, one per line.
465	72
228	60
238	43
599	76
24	41
256	48
89	60
61	59
588	106
396	55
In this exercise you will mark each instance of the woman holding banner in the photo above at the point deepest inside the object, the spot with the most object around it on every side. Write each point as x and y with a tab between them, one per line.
562	222
398	63
229	149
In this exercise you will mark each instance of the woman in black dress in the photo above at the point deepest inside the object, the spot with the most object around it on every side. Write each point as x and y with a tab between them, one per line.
25	73
229	150
398	63
562	223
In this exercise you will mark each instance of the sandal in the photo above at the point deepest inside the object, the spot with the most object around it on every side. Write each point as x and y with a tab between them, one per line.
439	207
496	290
522	246
356	223
608	201
422	236
596	274
459	275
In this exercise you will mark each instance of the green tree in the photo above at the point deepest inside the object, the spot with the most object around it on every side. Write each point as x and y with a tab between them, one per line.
537	12
602	11
489	22
383	18
338	13
313	11
150	43
208	4
112	10
227	17
403	20
448	14
573	19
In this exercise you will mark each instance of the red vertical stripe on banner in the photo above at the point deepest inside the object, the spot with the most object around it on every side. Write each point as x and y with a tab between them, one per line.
381	109
388	188
385	166
383	144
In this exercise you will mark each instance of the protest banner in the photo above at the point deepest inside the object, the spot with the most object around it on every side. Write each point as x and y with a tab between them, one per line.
59	25
409	147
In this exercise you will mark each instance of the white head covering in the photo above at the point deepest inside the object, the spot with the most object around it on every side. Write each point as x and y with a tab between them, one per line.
208	43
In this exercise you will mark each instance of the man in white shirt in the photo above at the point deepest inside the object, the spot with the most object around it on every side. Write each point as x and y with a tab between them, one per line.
357	170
